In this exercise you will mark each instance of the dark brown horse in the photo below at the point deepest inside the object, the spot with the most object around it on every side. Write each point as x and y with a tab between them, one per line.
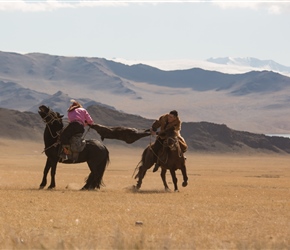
95	153
170	158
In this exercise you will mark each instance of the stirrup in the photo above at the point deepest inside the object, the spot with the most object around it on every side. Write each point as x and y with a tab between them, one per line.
63	157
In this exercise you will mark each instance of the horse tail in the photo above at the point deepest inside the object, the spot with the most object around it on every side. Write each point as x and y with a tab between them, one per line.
139	165
95	179
146	162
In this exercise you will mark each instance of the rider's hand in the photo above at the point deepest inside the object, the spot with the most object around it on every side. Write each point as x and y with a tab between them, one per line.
152	132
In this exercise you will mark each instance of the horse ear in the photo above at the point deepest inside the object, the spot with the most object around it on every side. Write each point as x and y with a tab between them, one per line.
59	115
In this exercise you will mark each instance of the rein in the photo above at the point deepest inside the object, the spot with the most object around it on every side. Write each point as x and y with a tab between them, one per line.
165	144
53	145
53	118
53	136
175	144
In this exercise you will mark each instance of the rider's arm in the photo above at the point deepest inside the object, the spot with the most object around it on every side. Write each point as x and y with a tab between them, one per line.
88	118
155	126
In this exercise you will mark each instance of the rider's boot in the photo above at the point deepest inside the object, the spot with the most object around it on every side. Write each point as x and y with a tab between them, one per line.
66	151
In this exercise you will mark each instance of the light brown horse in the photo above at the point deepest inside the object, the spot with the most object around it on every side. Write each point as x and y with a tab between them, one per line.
170	157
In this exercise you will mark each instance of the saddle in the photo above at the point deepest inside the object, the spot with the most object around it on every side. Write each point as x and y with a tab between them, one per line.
163	153
77	145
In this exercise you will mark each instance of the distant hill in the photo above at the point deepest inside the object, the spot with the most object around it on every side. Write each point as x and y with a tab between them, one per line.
14	96
210	137
256	101
20	125
228	65
200	136
203	80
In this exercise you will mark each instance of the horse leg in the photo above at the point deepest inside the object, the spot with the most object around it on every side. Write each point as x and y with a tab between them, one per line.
52	174
90	178
139	183
147	160
94	181
140	175
89	181
99	171
174	179
163	177
185	178
45	172
97	167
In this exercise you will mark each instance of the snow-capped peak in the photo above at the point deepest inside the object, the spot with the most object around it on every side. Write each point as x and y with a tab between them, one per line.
251	62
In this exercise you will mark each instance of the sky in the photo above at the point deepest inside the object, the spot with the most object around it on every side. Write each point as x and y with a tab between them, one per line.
148	30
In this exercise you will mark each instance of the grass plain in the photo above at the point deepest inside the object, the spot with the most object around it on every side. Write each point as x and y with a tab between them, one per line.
231	202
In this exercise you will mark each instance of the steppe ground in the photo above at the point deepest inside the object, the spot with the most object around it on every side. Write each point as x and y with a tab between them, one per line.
231	202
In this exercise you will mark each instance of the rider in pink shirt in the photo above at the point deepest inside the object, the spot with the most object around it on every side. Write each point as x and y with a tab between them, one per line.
78	119
80	115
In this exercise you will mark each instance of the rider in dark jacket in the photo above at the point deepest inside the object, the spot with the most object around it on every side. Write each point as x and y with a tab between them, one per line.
166	123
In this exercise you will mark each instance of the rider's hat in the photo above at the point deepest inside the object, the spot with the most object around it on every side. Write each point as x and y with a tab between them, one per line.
74	105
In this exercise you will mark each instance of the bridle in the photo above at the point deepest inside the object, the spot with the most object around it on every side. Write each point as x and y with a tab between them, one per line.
170	142
52	118
173	144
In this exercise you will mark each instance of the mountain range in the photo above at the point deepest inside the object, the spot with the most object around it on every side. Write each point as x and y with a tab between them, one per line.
253	63
229	65
202	137
256	101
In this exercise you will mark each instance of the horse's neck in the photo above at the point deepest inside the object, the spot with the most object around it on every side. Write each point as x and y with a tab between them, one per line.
49	138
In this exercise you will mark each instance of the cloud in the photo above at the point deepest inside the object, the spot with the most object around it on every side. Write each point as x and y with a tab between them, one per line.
273	7
50	5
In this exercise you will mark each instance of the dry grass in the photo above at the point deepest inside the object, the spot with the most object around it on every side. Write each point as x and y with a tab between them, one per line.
231	202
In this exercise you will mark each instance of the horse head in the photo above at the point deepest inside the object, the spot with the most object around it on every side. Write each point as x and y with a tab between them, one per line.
171	140
52	119
48	115
172	143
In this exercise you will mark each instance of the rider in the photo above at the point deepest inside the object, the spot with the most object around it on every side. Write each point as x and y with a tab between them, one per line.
166	123
78	118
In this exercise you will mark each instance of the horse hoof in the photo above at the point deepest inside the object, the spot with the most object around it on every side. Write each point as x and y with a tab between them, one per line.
41	187
51	188
167	190
184	184
176	191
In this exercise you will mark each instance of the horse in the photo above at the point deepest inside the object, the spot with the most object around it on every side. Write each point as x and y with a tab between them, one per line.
95	153
170	158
